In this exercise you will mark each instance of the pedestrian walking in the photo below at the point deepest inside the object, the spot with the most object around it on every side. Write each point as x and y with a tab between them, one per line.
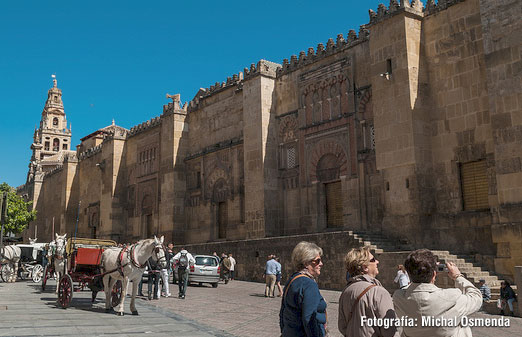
232	266
164	273
170	259
424	299
278	277
183	261
225	268
364	297
402	277
303	308
153	279
507	296
270	276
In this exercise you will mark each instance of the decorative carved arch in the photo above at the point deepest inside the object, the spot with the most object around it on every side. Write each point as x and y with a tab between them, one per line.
288	129
147	204
220	191
365	103
328	147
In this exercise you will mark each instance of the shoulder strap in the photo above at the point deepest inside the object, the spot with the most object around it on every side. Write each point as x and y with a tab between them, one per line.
292	280
358	298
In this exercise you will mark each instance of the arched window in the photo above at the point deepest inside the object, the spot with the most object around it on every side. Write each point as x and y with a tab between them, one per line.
56	145
55	122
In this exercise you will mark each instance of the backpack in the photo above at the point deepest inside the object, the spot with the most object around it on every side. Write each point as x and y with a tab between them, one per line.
183	261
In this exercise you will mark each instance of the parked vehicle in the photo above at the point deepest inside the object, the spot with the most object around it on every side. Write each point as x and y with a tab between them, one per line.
205	270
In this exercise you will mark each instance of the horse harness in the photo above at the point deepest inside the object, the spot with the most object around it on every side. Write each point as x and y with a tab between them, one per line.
3	249
132	259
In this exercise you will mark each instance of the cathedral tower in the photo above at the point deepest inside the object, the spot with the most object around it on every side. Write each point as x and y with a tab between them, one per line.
52	138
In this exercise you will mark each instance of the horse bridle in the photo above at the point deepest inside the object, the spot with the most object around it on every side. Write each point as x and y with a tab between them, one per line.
155	251
59	256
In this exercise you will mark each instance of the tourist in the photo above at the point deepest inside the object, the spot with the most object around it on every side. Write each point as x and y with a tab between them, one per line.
270	276
278	277
165	275
153	279
303	309
183	261
170	259
423	299
402	277
485	290
507	296
232	265
225	268
364	297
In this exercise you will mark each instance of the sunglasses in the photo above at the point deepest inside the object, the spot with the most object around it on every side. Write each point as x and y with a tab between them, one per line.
373	259
317	261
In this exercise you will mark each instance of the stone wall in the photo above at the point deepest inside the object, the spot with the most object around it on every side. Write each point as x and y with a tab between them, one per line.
251	256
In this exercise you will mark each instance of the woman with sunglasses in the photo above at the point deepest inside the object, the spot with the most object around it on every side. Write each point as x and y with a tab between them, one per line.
364	298
303	309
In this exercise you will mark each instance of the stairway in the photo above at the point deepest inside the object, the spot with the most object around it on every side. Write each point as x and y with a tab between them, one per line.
474	273
379	244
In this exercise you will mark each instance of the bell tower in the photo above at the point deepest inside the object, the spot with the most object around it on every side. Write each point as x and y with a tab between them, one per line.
53	137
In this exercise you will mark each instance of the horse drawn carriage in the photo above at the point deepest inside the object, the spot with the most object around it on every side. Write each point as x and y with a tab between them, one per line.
30	259
83	266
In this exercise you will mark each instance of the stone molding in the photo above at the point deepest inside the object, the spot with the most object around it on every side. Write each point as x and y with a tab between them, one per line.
216	147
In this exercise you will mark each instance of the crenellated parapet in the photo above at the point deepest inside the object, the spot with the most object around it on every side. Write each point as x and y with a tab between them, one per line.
395	7
322	51
431	7
236	80
90	152
55	170
263	67
70	157
151	123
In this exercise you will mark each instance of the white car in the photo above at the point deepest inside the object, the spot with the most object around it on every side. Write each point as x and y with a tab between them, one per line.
205	270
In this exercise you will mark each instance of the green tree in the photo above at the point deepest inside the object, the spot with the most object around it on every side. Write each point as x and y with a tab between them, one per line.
18	211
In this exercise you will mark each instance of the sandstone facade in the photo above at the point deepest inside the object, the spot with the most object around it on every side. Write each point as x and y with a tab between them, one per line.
411	128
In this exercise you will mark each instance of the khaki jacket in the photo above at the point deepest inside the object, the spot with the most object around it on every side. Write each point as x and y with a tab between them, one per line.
429	301
376	303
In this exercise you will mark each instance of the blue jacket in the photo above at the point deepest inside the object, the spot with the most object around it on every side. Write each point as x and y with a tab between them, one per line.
303	309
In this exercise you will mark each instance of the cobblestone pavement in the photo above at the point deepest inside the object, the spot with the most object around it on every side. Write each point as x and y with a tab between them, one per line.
26	311
241	309
236	309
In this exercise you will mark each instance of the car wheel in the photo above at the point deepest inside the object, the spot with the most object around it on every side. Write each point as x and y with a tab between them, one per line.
214	285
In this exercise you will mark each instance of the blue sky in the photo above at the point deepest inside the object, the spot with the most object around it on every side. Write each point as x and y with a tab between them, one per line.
118	59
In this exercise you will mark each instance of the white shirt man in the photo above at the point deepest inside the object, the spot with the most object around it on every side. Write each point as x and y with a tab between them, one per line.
232	266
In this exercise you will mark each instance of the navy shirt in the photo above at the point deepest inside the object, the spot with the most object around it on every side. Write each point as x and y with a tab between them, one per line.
303	309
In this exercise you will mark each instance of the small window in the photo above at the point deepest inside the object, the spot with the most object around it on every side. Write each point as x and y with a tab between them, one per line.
55	122
474	182
64	146
56	99
46	146
291	157
56	145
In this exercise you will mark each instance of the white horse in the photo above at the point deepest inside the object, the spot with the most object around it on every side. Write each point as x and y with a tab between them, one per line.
58	256
10	256
128	264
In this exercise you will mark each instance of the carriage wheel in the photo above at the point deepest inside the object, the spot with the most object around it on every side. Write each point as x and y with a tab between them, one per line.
7	272
65	291
45	276
37	273
116	294
2	272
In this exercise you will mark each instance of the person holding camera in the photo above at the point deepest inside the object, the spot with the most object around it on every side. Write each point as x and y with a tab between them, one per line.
427	303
